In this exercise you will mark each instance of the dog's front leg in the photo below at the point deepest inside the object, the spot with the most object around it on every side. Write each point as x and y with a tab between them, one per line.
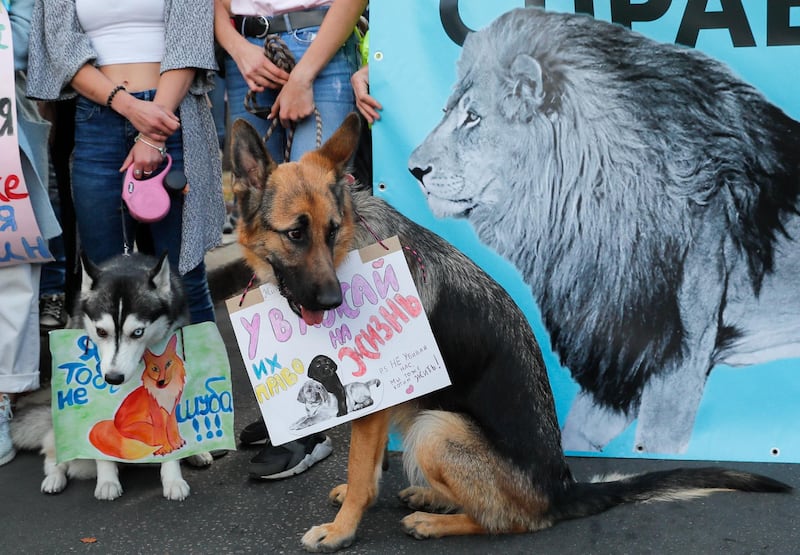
175	487
367	442
55	475
108	487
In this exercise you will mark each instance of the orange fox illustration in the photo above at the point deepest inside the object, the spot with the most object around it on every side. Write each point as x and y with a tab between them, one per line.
145	423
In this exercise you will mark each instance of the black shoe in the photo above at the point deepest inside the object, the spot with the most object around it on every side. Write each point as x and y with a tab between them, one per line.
282	461
254	434
51	311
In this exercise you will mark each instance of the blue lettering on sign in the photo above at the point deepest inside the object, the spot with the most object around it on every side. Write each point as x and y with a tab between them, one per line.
80	376
204	410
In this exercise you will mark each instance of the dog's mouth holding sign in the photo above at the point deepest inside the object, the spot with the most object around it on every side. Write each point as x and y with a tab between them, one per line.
312	310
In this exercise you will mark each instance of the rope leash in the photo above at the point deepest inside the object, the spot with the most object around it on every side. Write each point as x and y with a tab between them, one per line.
277	51
413	252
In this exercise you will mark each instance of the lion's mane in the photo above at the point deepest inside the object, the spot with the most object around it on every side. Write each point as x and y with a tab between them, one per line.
630	147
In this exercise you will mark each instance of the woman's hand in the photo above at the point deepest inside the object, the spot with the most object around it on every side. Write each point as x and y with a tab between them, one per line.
151	119
258	71
144	157
295	102
365	103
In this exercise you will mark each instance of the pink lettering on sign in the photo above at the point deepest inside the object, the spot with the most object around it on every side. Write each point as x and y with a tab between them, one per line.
380	330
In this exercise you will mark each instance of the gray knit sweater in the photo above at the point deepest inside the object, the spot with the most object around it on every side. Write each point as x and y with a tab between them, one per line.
59	48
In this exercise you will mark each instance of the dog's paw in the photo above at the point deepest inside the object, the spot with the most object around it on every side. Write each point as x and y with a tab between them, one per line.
176	490
327	538
425	499
420	525
107	491
54	483
337	494
200	460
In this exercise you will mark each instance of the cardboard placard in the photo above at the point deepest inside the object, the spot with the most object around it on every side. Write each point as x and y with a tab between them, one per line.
378	344
21	241
95	420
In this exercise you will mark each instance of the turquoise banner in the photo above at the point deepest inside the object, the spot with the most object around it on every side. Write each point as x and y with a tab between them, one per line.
628	171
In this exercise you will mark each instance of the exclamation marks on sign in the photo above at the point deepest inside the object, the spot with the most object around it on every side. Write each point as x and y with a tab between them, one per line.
211	429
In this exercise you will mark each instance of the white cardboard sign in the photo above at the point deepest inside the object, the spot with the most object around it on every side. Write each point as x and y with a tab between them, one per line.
378	343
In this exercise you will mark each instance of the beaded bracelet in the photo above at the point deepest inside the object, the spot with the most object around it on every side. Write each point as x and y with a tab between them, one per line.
160	149
113	93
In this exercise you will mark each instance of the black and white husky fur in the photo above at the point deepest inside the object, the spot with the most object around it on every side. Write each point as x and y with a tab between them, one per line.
128	304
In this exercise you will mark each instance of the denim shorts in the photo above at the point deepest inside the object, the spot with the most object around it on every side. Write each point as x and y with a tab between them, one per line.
103	140
333	94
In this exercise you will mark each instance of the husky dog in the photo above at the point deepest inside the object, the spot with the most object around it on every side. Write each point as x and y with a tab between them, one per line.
488	447
127	305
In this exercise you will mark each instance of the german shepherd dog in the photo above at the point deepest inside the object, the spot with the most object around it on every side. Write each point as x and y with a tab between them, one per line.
484	454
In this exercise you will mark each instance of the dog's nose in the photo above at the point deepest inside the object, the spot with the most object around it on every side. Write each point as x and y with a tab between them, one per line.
114	378
419	173
329	297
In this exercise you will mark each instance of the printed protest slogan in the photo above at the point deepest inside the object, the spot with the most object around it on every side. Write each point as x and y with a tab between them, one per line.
744	376
20	238
374	351
179	404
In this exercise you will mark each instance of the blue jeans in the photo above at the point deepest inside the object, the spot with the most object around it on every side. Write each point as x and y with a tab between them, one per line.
54	273
333	95
103	139
217	98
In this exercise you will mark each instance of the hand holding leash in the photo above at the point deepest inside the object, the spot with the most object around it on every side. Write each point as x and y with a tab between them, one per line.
258	71
145	156
295	102
146	198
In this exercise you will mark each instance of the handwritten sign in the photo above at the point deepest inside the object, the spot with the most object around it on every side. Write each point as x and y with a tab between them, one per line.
374	351
21	241
179	404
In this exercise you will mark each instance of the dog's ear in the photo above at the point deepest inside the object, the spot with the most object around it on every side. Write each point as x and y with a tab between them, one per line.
251	165
301	395
90	272
341	146
160	275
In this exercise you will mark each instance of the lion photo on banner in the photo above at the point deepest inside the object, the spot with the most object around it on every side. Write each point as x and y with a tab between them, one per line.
630	174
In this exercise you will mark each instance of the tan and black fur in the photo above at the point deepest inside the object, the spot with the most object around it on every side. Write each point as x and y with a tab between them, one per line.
487	449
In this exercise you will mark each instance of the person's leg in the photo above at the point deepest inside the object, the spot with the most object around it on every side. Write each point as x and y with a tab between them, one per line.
52	286
237	90
217	98
19	342
167	236
333	96
101	145
333	93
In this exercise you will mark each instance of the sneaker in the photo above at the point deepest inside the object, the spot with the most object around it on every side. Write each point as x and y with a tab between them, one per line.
282	461
51	311
7	451
254	434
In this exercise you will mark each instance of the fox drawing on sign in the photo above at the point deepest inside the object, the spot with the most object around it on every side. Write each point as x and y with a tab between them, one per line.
145	423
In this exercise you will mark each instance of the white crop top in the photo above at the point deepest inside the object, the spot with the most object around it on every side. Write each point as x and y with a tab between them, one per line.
124	31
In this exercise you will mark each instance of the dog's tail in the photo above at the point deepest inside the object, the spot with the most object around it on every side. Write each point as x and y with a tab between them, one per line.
588	498
30	425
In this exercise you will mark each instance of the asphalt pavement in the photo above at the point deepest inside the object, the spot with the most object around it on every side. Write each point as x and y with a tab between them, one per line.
229	513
